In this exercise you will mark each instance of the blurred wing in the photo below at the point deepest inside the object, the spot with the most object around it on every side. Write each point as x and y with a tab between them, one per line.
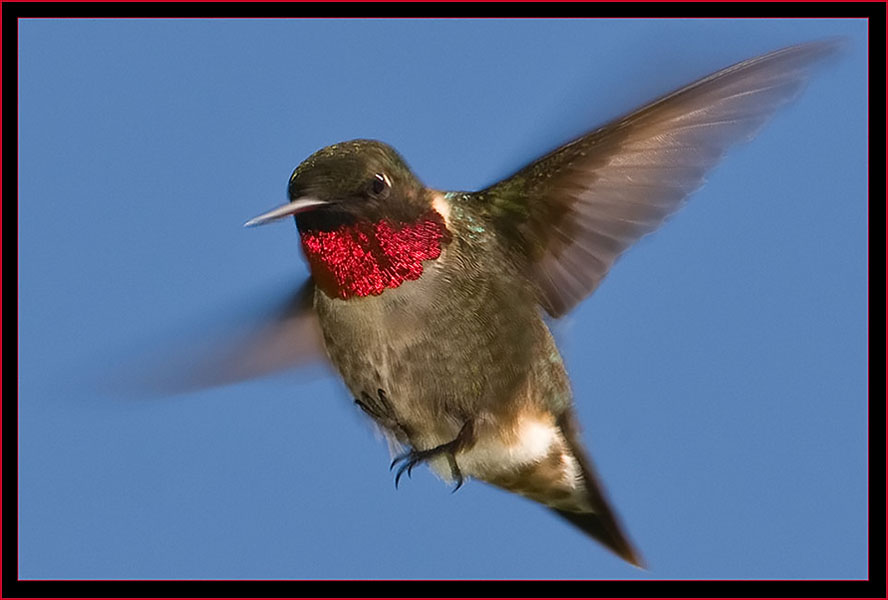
282	338
573	212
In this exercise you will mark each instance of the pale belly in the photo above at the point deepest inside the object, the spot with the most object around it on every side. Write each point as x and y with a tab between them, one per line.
422	370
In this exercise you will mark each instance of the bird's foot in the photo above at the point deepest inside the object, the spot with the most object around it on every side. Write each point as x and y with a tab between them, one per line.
410	459
378	408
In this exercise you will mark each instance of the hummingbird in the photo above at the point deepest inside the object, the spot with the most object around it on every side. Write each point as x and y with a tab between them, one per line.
433	306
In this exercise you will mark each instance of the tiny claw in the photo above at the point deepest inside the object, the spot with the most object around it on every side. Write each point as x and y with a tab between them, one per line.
400	458
412	458
408	462
457	474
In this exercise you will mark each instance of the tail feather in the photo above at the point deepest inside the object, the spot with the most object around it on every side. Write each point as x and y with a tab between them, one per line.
542	459
606	531
602	524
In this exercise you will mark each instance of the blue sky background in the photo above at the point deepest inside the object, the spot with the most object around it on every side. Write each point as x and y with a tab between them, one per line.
719	371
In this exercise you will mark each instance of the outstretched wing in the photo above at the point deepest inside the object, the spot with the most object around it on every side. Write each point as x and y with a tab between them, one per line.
237	349
573	212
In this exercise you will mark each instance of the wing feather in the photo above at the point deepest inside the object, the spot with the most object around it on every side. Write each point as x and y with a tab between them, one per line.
238	348
573	212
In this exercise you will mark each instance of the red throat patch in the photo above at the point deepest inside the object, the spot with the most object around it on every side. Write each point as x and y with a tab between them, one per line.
365	258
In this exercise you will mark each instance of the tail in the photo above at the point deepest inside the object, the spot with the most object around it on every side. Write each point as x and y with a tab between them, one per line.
550	466
602	524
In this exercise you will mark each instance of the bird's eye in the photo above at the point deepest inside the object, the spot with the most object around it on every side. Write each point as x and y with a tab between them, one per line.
380	185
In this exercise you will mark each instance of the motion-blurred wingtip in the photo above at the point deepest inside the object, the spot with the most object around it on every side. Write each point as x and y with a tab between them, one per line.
822	50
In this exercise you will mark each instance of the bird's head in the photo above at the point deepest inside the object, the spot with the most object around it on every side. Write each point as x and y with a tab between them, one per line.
367	223
360	180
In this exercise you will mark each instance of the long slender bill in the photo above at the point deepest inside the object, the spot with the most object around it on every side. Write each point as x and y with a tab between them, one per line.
295	207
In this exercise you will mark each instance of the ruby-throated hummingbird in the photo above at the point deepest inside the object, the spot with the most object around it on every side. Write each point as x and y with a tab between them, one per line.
431	304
